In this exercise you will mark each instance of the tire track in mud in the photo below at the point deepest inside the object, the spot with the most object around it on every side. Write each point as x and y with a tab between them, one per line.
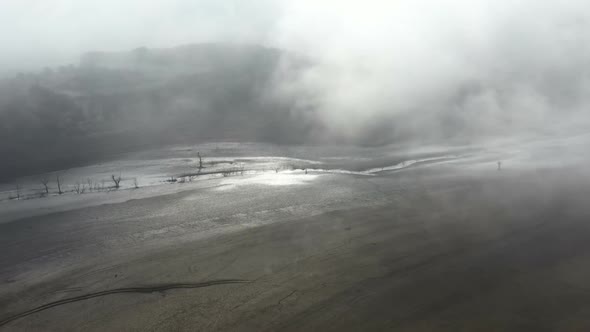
127	290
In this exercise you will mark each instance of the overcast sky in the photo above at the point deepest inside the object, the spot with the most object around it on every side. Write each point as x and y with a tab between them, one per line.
48	32
515	60
36	32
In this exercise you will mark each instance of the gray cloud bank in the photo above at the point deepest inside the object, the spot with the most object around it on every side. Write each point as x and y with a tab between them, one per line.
359	72
38	33
496	67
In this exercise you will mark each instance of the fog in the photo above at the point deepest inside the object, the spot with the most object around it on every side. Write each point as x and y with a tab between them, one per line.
293	165
498	67
355	72
39	33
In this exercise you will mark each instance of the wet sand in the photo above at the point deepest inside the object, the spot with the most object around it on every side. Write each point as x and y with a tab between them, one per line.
427	249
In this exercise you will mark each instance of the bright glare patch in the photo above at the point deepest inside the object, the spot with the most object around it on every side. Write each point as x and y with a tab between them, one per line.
269	179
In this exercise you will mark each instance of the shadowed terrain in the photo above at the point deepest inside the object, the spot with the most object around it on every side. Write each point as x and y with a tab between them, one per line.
444	251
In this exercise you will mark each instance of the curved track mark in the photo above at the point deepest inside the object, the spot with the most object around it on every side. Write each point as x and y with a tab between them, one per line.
144	289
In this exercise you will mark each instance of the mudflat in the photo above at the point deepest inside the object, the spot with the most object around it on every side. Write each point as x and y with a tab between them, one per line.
420	250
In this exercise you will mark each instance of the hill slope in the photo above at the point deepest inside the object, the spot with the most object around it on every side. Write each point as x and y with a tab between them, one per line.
115	102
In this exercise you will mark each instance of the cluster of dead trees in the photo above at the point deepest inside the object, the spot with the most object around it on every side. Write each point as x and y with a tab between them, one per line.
79	187
114	183
233	171
236	170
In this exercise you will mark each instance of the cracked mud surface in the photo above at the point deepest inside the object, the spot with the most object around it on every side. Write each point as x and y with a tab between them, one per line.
418	251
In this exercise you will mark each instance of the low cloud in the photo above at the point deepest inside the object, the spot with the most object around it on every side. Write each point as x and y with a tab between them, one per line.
381	68
441	67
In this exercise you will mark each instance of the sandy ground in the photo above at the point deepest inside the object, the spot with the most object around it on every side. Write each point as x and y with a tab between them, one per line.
425	249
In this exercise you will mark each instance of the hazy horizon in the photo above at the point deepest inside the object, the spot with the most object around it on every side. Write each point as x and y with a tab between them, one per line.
379	71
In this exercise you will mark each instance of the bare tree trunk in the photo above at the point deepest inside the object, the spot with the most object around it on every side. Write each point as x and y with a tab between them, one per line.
58	185
116	180
200	161
80	188
45	182
17	191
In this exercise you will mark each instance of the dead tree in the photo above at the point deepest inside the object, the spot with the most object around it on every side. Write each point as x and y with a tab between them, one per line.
45	183
17	191
79	188
116	180
58	185
200	161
